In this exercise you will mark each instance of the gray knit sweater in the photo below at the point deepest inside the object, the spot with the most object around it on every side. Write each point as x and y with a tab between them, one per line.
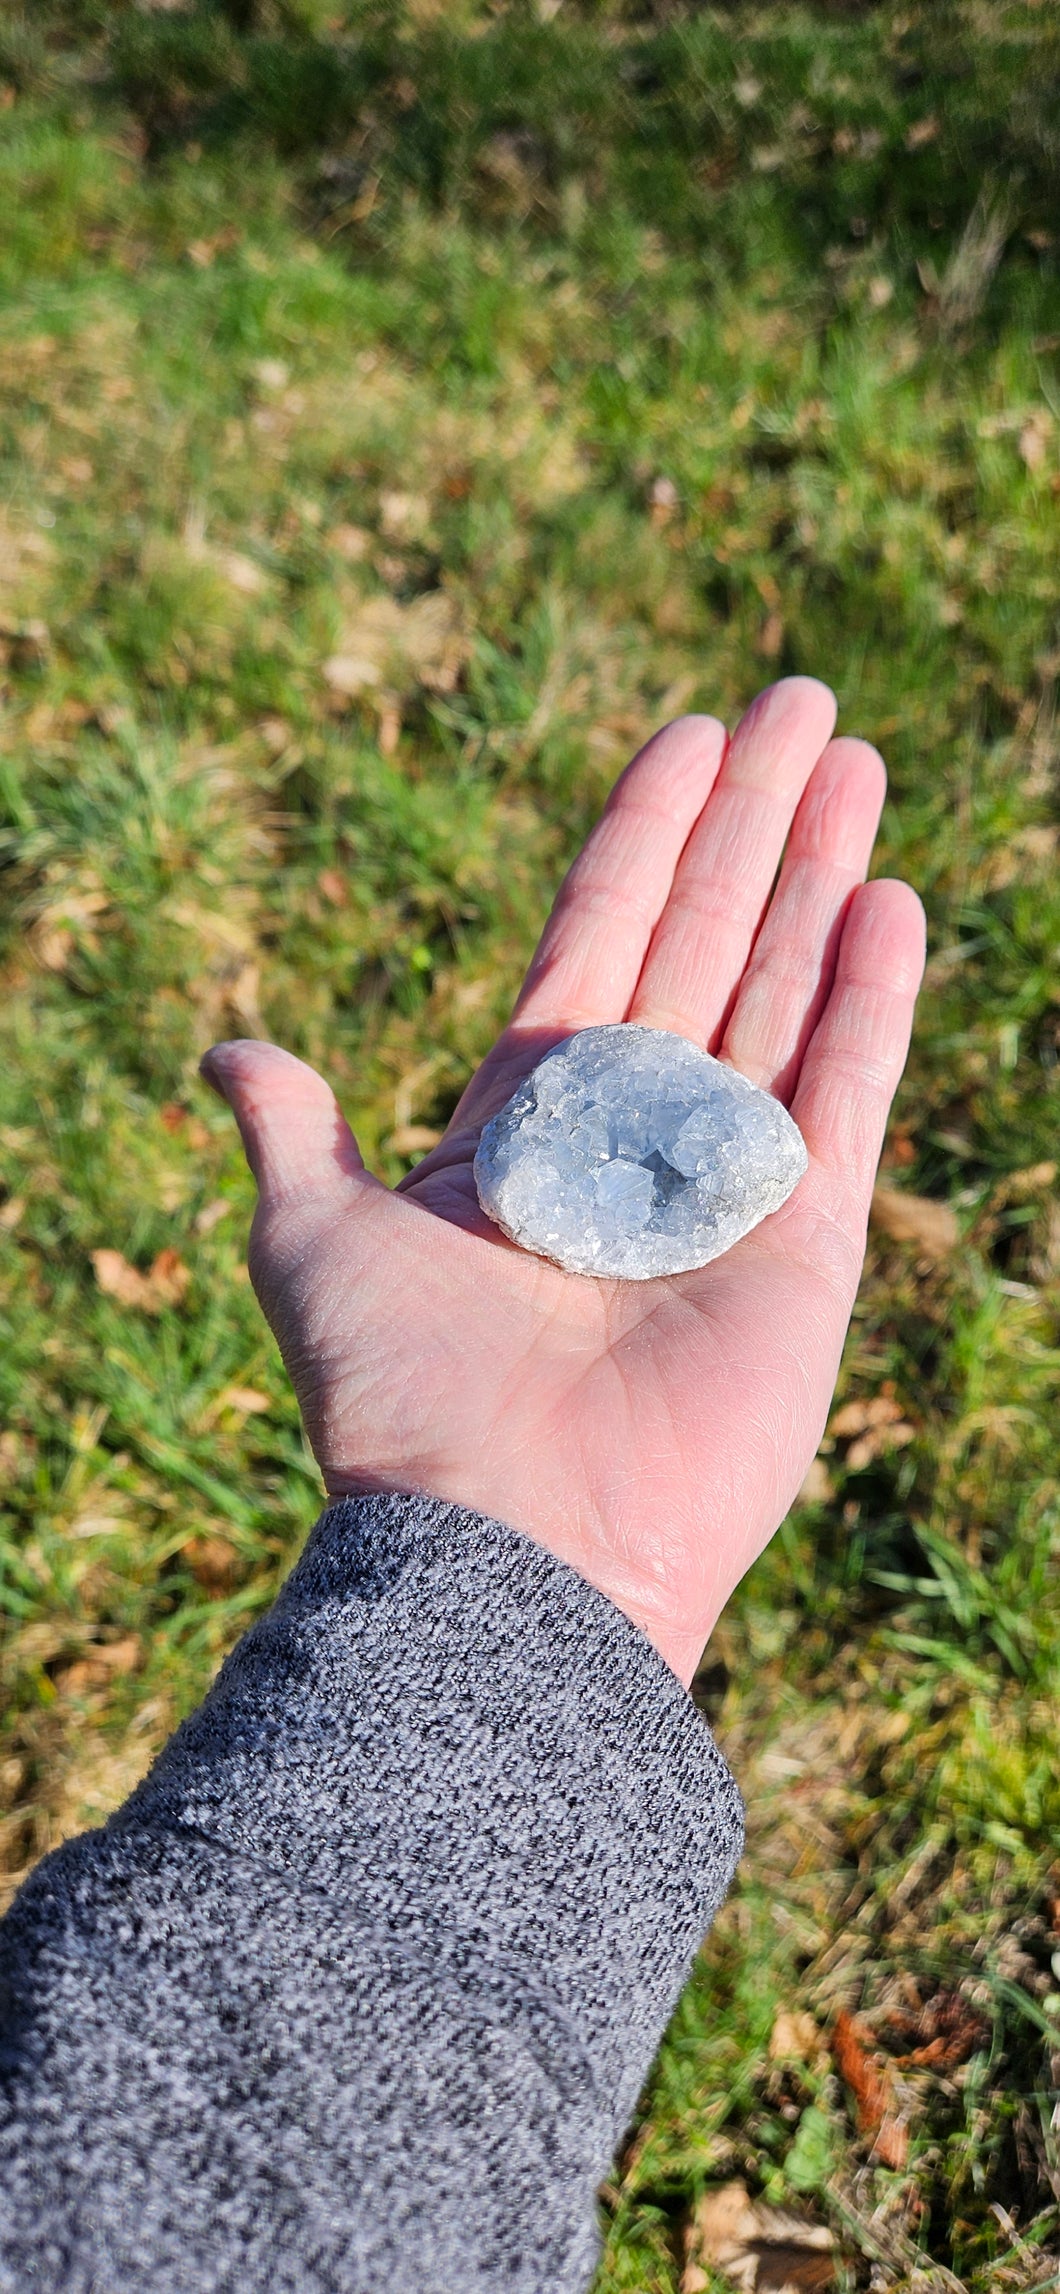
358	1990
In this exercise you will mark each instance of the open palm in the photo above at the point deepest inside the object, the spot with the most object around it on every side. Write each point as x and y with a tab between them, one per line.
652	1434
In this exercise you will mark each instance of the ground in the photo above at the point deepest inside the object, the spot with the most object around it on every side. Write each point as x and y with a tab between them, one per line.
403	408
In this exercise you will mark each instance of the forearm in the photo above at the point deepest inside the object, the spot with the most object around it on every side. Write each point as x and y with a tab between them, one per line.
360	1988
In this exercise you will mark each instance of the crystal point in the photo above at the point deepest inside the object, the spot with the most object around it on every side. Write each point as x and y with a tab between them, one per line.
629	1151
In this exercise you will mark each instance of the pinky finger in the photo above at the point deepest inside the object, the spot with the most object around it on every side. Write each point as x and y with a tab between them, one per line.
855	1057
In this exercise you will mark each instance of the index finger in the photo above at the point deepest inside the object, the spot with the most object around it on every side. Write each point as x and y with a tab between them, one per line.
589	956
591	951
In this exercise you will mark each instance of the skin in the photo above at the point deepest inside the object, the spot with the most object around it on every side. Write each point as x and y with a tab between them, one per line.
652	1434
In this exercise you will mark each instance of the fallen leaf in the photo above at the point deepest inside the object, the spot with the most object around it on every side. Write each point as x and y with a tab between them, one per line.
99	1664
53	948
876	1444
398	647
413	1139
1022	1186
770	637
404	517
891	2146
191	1128
276	734
350	673
58	924
919	1219
757	2246
389	728
241	999
663	501
878	1425
246	1399
351	542
867	2074
795	2037
163	1286
240	571
861	2070
27	641
213	1563
817	1486
945	2031
210	1215
1034	438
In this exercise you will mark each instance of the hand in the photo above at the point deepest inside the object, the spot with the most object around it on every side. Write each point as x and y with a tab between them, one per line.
652	1434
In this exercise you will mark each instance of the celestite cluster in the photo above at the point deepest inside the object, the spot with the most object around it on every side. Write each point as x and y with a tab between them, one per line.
629	1151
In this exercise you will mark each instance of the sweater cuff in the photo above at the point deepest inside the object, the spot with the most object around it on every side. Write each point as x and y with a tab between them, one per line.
457	1737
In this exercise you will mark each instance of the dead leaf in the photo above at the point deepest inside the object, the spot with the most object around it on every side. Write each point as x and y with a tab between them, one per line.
876	1444
919	1219
246	1399
861	2070
867	2074
858	1416
333	887
350	674
795	2038
241	999
757	2246
413	1139
351	542
948	2030
276	734
817	1486
663	501
99	1664
25	643
53	948
389	727
240	571
878	1424
165	1284
57	925
404	517
1022	1186
210	1215
174	1118
397	647
770	637
213	1562
1034	438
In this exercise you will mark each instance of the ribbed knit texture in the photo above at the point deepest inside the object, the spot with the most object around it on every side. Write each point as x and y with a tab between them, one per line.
358	1990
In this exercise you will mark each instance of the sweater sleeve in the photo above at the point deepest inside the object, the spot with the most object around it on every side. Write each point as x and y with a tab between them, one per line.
358	1990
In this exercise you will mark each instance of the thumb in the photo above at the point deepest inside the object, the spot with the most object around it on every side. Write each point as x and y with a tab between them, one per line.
296	1141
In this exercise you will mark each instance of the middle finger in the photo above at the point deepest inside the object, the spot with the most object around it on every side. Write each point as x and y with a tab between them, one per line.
707	929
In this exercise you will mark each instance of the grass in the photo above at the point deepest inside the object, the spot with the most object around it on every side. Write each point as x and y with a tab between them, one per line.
561	367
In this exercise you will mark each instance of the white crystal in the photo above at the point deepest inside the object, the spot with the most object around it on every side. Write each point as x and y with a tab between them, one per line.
629	1151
